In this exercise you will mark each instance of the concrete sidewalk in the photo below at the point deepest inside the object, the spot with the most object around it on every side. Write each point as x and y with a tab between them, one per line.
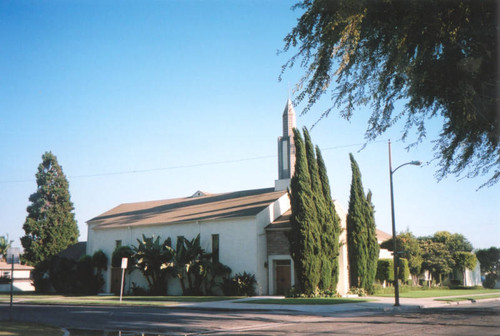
379	304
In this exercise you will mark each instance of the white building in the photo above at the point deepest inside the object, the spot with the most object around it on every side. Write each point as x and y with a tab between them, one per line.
21	275
247	227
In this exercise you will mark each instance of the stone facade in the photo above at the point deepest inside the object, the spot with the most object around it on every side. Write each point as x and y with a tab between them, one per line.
277	243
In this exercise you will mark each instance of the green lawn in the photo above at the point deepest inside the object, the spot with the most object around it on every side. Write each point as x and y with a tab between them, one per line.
27	329
466	298
114	300
427	293
307	301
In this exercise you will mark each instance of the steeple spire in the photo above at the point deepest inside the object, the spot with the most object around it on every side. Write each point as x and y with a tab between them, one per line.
286	148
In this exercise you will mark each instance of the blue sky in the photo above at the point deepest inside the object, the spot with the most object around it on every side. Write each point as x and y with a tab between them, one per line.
145	100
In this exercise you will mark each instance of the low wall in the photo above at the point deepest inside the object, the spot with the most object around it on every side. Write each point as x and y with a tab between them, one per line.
19	286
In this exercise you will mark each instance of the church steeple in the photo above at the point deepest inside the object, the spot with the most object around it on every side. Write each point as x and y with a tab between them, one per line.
286	148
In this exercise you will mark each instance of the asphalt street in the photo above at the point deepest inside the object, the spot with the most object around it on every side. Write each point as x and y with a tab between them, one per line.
472	319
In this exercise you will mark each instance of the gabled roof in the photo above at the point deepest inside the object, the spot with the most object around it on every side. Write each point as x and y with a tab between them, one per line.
188	209
281	223
17	267
74	252
383	236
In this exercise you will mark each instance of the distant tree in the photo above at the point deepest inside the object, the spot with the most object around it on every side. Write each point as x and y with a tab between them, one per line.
5	244
304	236
436	258
454	241
331	228
440	58
361	235
464	260
50	226
488	259
490	281
155	260
409	248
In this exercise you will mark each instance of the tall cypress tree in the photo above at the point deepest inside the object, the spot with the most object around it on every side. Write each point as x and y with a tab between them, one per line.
50	226
331	228
322	213
304	247
372	245
357	235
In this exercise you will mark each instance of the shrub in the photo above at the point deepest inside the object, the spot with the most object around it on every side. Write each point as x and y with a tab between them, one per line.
99	260
490	281
62	275
87	282
327	293
137	290
40	275
122	252
404	270
4	280
239	285
357	291
68	276
385	271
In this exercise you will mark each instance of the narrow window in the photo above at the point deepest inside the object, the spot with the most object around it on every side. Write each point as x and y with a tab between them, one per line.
118	243
215	248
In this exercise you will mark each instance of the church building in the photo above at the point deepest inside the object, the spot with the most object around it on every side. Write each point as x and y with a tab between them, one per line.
244	229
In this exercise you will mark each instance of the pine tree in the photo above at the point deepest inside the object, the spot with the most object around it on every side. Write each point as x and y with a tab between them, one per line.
50	226
331	229
303	236
357	235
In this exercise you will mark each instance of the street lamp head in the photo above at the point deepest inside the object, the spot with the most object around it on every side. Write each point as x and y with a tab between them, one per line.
414	163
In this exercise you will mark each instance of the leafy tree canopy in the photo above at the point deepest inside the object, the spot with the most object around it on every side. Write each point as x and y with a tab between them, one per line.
440	58
437	259
488	259
454	241
464	260
5	244
50	226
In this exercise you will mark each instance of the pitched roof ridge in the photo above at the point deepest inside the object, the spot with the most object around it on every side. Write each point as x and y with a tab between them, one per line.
172	204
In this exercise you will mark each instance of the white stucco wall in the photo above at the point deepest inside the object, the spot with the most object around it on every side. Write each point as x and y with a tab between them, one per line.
385	254
343	284
473	277
238	243
22	280
264	218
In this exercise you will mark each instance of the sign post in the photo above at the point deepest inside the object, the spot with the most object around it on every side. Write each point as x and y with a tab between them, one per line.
124	267
11	287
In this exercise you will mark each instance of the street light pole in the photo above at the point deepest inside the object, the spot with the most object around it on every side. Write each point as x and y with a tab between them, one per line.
394	247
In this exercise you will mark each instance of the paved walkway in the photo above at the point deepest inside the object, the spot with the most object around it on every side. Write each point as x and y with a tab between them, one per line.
382	304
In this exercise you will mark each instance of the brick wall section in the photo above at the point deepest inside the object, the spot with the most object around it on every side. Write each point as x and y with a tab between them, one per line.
277	243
